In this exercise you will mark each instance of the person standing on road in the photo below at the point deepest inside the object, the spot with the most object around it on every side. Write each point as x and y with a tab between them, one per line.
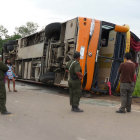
3	70
10	75
127	71
74	82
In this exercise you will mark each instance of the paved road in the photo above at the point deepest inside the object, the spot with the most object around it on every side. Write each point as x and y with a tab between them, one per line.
38	114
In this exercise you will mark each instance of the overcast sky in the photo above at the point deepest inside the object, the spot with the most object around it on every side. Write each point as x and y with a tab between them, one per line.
15	13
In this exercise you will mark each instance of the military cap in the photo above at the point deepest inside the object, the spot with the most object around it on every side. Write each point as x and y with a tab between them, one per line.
76	55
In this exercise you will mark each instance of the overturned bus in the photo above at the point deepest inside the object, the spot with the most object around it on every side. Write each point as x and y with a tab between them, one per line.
42	56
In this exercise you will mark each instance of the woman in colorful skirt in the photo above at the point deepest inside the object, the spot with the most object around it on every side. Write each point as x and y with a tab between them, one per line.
10	75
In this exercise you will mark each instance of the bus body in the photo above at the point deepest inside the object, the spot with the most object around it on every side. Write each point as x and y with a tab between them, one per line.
42	56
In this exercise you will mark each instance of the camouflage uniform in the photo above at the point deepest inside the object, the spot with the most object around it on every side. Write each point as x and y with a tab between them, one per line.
74	83
3	69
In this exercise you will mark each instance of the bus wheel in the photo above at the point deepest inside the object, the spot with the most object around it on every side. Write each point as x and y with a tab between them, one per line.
53	31
49	76
10	48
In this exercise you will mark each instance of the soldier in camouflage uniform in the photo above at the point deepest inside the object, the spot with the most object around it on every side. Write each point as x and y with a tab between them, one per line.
74	82
3	69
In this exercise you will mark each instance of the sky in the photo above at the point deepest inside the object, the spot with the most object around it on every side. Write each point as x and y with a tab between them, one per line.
15	13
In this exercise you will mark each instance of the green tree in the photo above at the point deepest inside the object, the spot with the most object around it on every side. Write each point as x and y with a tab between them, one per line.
27	29
14	37
3	36
3	32
1	42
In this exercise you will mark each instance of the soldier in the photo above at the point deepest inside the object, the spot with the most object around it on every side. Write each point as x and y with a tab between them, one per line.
127	71
74	82
3	70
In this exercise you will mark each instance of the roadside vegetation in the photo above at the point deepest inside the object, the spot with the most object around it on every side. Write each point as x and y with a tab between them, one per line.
136	92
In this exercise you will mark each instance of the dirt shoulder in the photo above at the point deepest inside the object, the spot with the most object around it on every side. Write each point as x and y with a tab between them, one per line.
135	101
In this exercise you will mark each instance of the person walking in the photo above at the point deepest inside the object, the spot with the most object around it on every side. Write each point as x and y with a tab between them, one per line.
10	75
127	72
74	69
3	69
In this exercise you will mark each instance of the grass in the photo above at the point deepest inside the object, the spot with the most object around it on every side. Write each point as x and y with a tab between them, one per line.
137	87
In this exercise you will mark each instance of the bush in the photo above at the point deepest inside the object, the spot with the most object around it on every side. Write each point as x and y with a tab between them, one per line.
136	92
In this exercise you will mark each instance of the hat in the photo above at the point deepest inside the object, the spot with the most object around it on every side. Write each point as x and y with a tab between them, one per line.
76	55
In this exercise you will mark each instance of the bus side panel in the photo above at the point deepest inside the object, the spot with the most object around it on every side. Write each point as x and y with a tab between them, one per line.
91	55
83	40
33	51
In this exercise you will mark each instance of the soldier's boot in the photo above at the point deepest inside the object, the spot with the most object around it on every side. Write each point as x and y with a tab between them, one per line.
120	111
128	109
5	113
77	109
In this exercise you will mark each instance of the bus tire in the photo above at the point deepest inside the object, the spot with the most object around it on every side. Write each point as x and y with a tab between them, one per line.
53	30
49	76
12	42
10	48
